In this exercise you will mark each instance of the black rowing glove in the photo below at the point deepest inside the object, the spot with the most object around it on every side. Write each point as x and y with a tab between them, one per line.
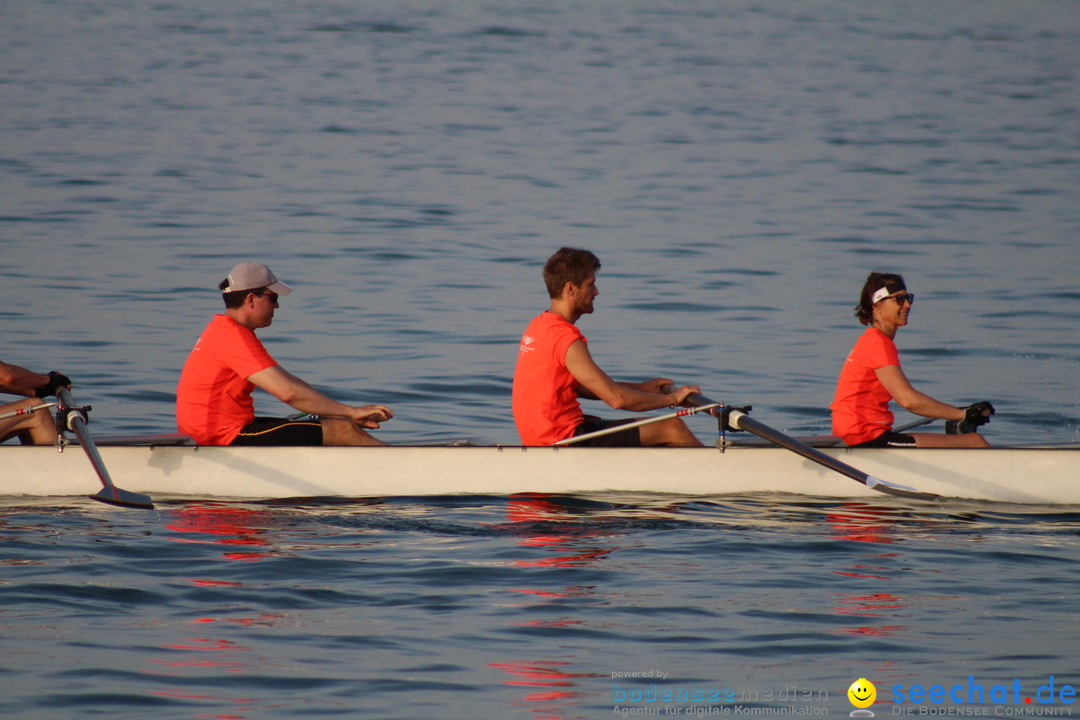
56	382
975	415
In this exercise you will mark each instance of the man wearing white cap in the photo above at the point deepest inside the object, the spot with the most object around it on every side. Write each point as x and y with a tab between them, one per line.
213	399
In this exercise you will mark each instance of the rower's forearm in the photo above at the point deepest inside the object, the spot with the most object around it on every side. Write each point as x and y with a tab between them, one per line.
16	380
305	398
637	401
316	403
929	407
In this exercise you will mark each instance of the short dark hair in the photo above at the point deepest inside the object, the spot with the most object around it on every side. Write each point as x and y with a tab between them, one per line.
894	282
235	298
568	265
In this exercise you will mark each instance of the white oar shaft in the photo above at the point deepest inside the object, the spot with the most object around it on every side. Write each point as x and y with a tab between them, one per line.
26	410
637	423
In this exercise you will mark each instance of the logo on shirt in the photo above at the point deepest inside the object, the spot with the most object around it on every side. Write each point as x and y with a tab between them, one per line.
526	341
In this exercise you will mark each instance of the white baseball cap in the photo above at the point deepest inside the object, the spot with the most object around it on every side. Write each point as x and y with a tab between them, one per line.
252	276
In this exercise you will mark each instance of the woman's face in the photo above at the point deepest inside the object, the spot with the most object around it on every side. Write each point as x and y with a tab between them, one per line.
893	309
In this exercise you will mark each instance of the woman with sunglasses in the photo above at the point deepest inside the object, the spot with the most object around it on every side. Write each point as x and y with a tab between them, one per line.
872	376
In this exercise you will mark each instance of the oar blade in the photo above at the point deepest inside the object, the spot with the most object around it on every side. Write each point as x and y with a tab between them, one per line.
109	493
123	498
884	486
898	491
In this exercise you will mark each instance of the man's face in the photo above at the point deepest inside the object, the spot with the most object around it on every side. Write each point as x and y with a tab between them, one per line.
584	295
264	304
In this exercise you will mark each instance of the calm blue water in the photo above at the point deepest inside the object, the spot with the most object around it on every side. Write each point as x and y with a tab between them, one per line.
521	607
738	166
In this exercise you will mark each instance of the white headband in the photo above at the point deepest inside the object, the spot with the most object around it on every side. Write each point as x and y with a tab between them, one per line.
879	295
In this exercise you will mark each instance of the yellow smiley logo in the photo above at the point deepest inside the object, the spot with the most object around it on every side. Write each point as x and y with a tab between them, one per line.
862	693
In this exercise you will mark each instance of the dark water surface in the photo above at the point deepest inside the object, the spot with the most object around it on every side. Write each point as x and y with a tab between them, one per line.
523	606
738	166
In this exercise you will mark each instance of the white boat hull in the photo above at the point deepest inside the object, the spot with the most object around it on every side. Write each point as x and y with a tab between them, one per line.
1015	475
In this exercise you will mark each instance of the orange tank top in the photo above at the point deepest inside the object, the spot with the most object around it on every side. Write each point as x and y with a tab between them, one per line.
860	408
545	401
213	398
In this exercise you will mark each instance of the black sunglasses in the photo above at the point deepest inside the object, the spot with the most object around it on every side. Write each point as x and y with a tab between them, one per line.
272	297
902	298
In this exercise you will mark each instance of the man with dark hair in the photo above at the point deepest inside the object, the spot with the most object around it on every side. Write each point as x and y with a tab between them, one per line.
31	427
213	399
555	369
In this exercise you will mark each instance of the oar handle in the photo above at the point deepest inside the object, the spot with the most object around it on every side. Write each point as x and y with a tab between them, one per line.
699	401
693	400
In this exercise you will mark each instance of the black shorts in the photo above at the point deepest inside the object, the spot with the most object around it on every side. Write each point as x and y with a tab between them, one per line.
888	439
631	437
280	431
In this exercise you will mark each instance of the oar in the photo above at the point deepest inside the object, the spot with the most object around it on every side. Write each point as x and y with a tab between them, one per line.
709	405
26	410
742	421
75	418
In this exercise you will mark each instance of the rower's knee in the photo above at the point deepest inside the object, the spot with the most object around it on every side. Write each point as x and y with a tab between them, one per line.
672	433
339	431
937	440
37	428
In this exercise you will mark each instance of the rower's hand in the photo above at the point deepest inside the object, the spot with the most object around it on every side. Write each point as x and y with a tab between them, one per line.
57	382
667	387
658	386
679	395
369	416
975	415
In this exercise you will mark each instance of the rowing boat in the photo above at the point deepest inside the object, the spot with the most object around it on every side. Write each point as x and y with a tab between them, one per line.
172	465
1040	475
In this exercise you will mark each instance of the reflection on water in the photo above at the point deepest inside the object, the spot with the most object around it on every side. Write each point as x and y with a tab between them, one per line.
555	688
861	522
878	605
226	525
216	651
864	523
537	515
552	690
192	659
